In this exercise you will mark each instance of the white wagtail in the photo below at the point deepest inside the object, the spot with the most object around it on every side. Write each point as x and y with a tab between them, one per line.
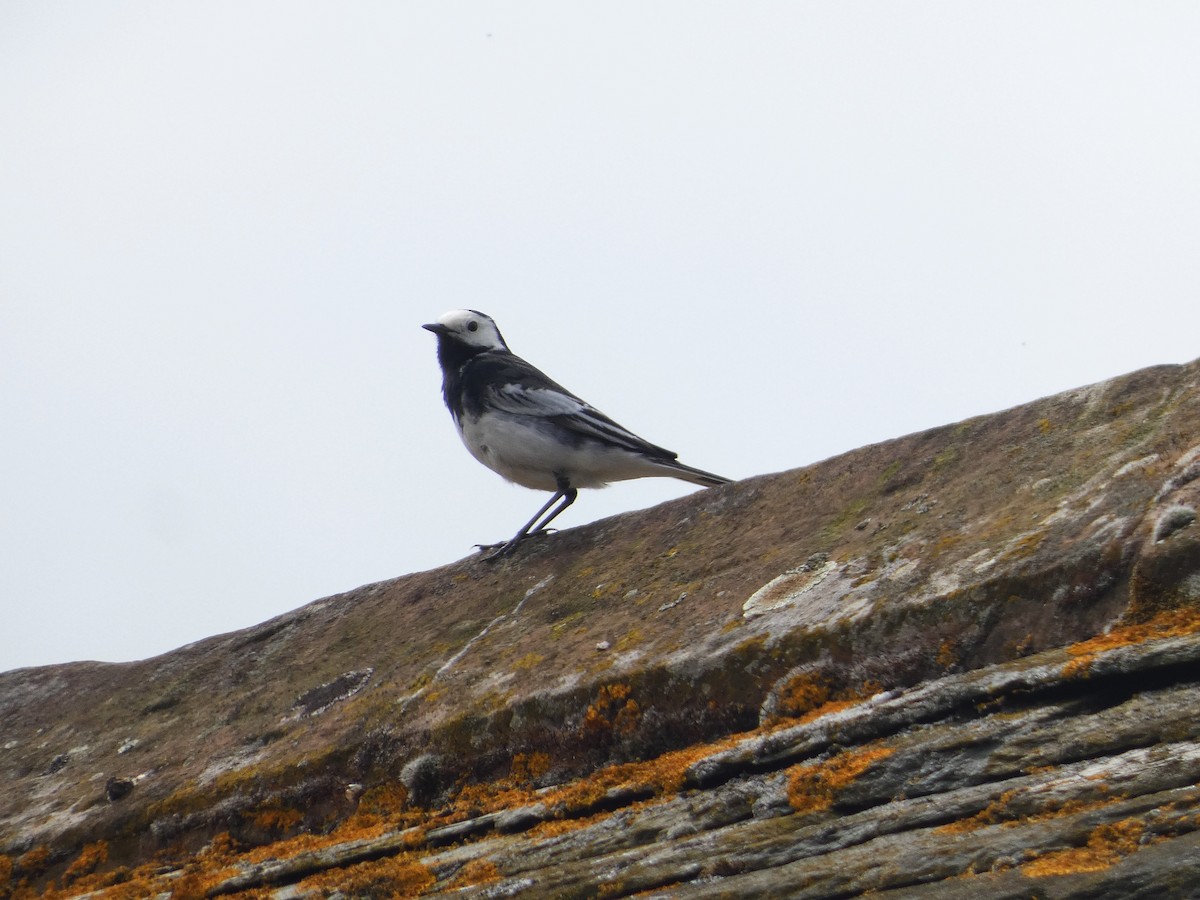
532	431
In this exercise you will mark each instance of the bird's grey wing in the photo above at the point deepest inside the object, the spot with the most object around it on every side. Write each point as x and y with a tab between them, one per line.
543	398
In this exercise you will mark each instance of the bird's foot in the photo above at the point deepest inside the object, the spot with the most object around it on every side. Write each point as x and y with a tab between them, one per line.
493	552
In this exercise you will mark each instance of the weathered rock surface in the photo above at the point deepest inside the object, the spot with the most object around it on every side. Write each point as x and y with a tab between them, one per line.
962	663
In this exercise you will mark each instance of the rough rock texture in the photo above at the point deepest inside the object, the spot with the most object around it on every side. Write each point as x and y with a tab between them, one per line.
962	663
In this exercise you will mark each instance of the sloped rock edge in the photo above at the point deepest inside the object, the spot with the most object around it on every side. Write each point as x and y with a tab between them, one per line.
697	696
1042	752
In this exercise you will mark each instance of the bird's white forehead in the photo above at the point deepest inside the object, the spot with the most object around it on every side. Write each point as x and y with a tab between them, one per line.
473	328
457	319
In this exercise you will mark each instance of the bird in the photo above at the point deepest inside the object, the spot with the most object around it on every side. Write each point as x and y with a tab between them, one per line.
531	430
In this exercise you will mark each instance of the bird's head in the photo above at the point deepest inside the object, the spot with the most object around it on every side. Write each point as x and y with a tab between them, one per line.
469	329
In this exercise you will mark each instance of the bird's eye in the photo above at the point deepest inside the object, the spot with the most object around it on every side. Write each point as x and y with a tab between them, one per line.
472	325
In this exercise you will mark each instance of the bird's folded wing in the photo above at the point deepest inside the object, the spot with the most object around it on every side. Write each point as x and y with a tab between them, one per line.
568	411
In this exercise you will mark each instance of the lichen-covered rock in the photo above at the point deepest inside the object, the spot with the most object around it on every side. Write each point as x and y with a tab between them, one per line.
966	660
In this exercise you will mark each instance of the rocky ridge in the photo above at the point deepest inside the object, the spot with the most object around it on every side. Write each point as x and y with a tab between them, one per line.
964	661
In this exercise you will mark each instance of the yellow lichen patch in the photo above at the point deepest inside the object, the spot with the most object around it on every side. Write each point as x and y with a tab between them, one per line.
813	787
528	661
1172	623
1106	847
608	589
629	640
1026	544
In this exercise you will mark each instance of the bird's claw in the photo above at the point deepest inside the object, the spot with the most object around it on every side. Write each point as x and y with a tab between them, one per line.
504	548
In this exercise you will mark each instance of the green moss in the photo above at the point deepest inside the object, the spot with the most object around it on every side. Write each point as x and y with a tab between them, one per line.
946	457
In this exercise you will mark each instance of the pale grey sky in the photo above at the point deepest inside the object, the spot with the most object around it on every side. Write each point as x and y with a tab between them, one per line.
760	234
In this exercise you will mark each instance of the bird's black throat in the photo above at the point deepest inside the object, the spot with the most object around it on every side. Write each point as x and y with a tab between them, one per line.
453	356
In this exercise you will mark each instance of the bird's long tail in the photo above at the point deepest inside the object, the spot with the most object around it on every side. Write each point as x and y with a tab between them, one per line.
696	476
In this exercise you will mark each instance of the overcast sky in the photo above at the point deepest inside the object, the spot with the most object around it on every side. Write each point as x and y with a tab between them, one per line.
760	234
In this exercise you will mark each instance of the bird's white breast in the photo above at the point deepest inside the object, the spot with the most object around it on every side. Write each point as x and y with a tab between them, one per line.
531	452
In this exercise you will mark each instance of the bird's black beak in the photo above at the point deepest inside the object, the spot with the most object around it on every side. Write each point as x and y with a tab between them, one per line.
436	328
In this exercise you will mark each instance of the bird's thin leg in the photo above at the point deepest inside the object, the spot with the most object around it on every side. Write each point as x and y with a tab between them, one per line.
568	497
565	493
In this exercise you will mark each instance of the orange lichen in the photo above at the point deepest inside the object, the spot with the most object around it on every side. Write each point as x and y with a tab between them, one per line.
477	871
808	696
802	694
381	803
1106	847
553	828
88	861
527	768
813	787
946	655
1172	623
396	876
613	712
34	862
660	777
274	818
384	810
998	812
222	847
992	814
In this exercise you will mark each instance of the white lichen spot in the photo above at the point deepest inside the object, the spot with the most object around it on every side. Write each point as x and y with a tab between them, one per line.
1189	456
985	566
1136	465
901	570
786	589
673	603
942	583
979	561
1173	518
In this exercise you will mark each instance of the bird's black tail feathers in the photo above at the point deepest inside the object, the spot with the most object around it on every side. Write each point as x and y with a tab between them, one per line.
695	476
